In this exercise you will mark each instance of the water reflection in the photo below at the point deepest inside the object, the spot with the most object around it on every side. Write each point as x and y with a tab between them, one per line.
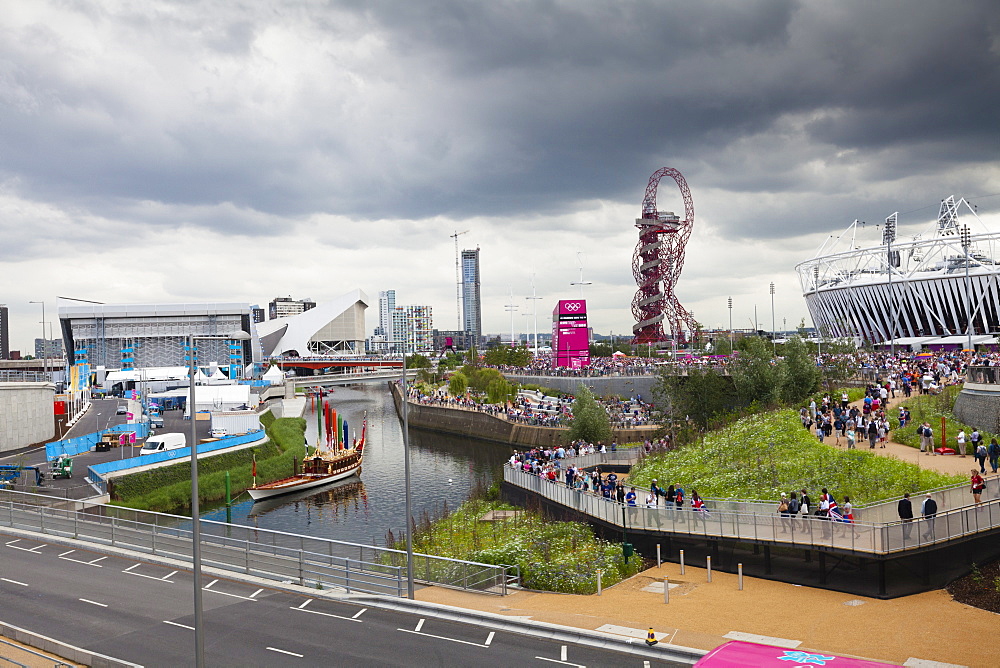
444	469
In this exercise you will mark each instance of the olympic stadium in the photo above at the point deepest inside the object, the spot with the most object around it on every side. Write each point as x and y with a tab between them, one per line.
941	287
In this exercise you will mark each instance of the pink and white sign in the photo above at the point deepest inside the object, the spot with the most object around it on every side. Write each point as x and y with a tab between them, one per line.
570	335
738	654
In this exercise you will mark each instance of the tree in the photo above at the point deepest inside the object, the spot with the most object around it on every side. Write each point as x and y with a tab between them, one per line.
417	361
700	396
802	377
590	421
472	358
458	384
499	391
757	376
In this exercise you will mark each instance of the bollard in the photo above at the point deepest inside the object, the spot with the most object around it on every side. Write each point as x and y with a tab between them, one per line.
598	581
739	570
666	590
682	562
708	560
658	561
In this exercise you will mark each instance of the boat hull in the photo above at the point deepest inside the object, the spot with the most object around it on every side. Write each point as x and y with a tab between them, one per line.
298	483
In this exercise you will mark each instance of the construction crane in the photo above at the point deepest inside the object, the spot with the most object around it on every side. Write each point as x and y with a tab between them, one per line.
458	280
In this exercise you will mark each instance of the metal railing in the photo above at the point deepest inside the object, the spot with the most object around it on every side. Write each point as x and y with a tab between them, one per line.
266	553
984	375
800	531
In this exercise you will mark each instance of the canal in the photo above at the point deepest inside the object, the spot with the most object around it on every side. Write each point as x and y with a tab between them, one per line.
444	470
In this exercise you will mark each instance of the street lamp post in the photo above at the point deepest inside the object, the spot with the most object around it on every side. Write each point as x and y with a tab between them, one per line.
889	235
511	308
534	298
45	361
966	242
199	627
774	343
406	483
730	325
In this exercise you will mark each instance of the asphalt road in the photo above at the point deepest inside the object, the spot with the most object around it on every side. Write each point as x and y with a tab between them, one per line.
101	415
142	612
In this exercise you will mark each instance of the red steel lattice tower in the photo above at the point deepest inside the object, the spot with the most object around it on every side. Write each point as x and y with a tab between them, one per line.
657	264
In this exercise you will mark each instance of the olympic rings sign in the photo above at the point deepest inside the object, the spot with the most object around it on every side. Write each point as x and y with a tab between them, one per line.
573	306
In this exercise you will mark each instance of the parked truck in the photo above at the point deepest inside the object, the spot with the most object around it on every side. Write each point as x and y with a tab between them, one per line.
235	423
162	443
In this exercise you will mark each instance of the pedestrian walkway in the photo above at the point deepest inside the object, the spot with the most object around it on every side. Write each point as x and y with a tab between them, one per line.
952	464
700	614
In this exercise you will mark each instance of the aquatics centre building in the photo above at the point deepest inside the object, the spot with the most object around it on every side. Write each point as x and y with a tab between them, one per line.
941	286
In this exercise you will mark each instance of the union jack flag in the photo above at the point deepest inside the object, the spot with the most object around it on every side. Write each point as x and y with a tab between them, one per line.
698	504
834	511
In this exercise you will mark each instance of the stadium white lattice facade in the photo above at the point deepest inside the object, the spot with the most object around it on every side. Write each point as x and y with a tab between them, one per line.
943	282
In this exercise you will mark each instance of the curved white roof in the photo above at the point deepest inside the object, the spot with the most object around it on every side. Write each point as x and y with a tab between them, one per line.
339	320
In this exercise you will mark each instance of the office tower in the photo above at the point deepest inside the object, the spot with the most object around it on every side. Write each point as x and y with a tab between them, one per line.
283	307
4	333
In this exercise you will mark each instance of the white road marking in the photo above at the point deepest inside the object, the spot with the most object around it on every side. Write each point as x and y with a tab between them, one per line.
645	664
65	553
256	592
225	593
92	562
420	625
14	582
565	663
183	626
307	602
165	578
562	654
284	651
25	549
326	614
131	567
103	605
359	613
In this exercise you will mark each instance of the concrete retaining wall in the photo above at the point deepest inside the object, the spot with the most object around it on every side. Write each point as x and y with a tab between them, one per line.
472	424
978	405
26	414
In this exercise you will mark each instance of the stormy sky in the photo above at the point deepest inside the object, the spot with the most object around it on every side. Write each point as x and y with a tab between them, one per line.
212	150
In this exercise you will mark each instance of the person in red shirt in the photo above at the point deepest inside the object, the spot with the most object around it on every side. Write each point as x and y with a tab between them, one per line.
977	486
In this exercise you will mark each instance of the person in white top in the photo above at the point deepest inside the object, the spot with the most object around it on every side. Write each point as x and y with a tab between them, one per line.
961	442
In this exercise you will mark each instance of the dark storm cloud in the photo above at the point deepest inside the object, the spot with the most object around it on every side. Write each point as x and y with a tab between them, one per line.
420	109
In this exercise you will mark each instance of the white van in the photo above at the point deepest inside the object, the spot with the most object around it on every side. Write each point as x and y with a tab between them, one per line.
162	443
156	421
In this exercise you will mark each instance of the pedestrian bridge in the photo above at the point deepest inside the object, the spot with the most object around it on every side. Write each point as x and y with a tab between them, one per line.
877	540
333	379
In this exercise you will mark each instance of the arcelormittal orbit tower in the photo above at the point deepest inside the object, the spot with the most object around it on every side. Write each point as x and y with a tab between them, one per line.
657	264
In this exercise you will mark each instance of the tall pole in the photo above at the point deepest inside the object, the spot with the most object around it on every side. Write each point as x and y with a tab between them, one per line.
966	241
510	308
581	282
406	483
774	343
45	361
890	236
730	325
199	628
535	298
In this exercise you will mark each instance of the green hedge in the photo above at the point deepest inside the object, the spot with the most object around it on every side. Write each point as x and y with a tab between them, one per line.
168	488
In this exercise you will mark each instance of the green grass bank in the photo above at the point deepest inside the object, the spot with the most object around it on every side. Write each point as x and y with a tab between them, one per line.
168	489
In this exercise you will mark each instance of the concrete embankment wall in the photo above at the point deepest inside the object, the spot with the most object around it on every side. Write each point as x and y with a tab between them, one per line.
979	405
601	386
25	414
473	424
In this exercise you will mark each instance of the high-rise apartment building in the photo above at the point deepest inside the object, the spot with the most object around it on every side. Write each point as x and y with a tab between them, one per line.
472	317
4	333
386	307
413	329
48	349
282	307
256	314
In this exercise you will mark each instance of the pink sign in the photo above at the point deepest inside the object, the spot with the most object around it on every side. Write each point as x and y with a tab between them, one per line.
738	654
570	335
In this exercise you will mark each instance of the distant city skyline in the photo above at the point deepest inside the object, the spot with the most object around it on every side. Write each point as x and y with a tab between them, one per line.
201	152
